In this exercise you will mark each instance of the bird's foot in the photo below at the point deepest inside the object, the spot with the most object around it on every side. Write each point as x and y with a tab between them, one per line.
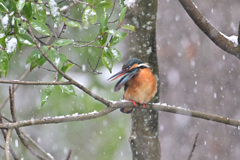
144	105
134	103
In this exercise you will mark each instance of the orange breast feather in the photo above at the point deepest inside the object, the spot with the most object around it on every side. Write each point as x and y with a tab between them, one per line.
142	87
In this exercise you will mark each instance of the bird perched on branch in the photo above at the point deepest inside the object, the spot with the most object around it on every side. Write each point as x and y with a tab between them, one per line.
139	83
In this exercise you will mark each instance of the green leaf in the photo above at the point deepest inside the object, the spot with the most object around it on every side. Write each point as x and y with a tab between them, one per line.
11	5
11	44
41	12
116	40
26	40
114	53
129	27
55	12
117	37
35	59
107	59
46	94
40	27
3	8
2	38
122	14
65	68
20	5
3	63
104	4
23	28
56	58
73	24
103	28
27	10
68	89
62	42
89	17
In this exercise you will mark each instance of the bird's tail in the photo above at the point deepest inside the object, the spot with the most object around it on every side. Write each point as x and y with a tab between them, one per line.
126	110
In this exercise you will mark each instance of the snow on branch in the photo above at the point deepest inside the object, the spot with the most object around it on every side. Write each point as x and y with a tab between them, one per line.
228	44
57	119
113	105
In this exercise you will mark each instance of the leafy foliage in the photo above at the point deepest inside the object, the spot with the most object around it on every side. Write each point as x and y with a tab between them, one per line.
21	19
39	32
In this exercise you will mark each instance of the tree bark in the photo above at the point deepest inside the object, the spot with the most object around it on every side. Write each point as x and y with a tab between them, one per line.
144	140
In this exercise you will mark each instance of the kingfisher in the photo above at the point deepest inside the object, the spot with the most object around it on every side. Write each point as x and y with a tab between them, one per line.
140	85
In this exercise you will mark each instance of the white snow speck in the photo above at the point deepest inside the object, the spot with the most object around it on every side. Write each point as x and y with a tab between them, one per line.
57	61
2	35
215	95
223	57
27	42
16	143
5	20
83	67
54	8
75	114
149	50
11	44
173	77
232	38
129	3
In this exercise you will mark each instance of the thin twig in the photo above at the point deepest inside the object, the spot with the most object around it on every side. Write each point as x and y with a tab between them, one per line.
221	40
7	144
69	155
96	72
98	62
36	145
13	114
95	96
41	66
193	148
4	136
2	147
33	82
34	153
21	78
12	108
58	119
112	9
113	105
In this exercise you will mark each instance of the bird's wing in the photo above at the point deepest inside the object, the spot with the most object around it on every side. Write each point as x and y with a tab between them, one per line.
123	80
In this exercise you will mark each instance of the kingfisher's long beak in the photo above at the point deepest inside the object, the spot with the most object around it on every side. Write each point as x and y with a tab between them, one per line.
117	75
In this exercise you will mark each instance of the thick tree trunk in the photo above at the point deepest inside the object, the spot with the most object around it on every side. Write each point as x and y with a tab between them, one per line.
144	138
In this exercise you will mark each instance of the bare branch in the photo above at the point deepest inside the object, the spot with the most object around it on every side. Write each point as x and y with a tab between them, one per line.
7	145
36	145
10	148
193	148
21	78
239	33
58	119
12	108
69	154
217	37
113	105
66	76
33	82
13	113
